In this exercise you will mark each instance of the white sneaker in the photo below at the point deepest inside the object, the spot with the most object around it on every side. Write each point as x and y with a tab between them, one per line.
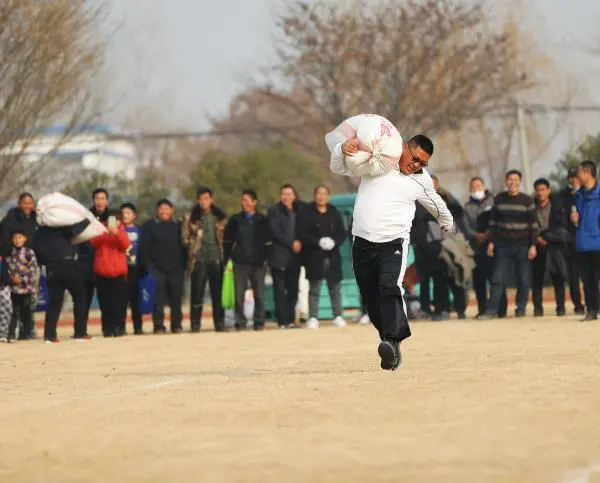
364	320
339	321
312	323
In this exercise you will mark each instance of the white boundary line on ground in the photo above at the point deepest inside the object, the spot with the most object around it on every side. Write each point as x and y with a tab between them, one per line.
582	475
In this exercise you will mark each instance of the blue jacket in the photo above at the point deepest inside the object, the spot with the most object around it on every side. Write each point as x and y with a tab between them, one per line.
588	230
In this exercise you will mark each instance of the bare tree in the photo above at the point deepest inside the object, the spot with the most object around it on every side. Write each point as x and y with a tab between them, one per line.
489	146
50	52
425	65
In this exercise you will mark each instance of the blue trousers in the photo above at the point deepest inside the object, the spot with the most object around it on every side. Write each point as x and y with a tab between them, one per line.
505	256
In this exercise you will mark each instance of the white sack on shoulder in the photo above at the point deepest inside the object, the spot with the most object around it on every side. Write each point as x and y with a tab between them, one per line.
57	210
380	144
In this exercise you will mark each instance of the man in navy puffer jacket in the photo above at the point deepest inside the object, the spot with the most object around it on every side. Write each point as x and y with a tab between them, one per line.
587	219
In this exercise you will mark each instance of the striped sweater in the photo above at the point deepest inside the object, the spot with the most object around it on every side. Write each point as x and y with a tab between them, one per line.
514	220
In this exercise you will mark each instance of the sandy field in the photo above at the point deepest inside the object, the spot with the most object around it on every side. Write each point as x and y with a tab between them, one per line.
501	401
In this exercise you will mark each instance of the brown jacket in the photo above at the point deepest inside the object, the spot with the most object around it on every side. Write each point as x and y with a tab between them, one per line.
192	233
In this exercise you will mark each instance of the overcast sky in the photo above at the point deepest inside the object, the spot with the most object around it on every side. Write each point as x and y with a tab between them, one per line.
189	57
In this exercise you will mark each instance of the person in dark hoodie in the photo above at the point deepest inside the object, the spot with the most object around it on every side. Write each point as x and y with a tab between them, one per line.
54	250
202	235
477	221
321	232
22	218
284	260
162	254
247	239
567	197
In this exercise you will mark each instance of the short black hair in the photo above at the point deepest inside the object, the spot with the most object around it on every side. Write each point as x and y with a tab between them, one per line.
18	231
98	191
589	166
288	186
322	186
572	173
423	142
251	193
202	190
128	206
163	201
476	178
24	195
514	171
541	181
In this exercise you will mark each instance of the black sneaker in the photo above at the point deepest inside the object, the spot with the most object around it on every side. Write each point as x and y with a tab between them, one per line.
538	313
590	316
519	314
580	310
138	332
486	316
160	329
389	351
561	313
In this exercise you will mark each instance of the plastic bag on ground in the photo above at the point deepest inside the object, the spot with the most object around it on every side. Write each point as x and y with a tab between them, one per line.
380	144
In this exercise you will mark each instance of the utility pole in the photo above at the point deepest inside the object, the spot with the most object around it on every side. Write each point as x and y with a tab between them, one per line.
523	146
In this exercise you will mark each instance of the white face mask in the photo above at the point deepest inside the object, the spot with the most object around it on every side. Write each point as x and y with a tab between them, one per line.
478	195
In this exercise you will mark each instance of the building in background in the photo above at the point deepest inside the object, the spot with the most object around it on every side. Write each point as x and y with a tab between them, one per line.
64	158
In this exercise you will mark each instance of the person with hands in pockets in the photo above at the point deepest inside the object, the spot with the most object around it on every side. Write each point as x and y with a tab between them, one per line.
321	232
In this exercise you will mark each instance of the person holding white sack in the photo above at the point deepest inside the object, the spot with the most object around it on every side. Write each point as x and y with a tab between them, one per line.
64	223
321	232
54	249
382	219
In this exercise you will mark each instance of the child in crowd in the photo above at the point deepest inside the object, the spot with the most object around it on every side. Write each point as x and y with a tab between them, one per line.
23	268
128	218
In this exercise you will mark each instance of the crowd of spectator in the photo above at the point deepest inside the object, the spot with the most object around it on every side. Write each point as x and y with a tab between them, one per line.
291	235
545	237
548	236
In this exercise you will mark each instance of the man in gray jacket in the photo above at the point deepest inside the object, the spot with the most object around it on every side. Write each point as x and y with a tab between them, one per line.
477	219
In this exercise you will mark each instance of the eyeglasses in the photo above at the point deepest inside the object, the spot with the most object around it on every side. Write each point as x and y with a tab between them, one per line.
416	159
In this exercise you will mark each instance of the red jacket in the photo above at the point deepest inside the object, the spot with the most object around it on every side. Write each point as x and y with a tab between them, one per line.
110	260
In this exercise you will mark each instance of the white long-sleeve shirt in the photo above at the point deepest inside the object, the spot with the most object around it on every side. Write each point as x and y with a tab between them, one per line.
385	204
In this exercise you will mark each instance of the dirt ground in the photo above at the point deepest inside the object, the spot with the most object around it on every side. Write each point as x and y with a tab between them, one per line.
502	401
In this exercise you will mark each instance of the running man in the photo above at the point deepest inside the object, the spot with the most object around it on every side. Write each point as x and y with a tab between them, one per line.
383	215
